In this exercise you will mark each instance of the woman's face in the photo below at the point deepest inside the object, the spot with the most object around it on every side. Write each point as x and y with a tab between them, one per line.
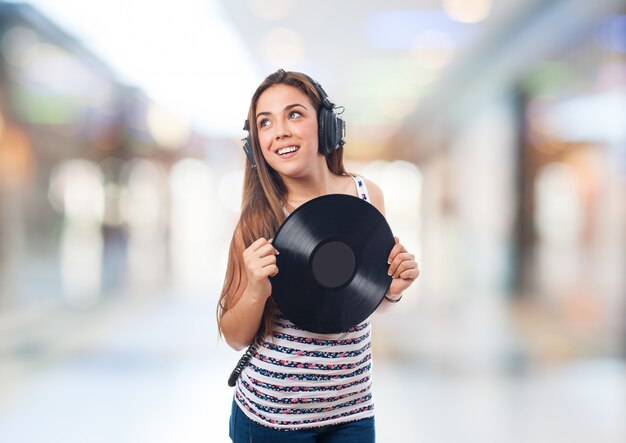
286	123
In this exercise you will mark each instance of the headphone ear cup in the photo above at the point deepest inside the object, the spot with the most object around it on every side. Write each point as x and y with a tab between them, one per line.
247	148
331	130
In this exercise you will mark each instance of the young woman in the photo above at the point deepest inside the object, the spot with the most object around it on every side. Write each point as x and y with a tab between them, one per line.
298	386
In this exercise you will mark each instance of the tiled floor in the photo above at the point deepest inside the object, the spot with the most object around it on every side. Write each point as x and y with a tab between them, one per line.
155	372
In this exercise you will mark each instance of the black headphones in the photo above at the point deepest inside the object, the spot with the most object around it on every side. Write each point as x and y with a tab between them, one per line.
332	128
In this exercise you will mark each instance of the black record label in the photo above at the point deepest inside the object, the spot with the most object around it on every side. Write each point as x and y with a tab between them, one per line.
332	263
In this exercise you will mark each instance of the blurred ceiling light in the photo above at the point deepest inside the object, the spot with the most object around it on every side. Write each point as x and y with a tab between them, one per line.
19	45
168	130
467	11
433	49
271	9
282	47
76	187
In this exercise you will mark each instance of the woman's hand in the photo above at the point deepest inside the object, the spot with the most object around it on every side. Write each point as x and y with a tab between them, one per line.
403	268
260	262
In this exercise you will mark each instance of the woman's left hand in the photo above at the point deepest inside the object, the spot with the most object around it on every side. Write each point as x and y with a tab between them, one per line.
403	268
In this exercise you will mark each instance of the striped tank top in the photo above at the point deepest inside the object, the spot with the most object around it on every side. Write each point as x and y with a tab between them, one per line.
298	379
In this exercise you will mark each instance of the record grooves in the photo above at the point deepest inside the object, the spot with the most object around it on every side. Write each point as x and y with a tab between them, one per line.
332	263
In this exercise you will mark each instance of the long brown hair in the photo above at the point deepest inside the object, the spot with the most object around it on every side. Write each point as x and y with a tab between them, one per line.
263	197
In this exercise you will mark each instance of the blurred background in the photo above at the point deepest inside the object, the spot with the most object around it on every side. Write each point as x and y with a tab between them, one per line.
497	130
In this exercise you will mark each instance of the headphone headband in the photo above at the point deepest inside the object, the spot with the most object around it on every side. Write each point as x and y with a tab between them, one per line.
325	100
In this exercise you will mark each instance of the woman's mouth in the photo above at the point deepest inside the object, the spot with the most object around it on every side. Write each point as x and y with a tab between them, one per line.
287	151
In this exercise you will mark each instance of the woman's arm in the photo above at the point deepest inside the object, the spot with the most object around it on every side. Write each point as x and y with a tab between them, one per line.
252	268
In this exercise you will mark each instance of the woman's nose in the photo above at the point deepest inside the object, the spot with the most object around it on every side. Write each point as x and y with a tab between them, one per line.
282	130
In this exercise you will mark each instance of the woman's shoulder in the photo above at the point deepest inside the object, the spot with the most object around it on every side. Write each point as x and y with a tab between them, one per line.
375	192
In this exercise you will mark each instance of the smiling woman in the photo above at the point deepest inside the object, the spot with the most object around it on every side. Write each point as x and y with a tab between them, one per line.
291	379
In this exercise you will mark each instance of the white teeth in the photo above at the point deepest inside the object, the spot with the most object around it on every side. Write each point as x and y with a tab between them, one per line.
287	150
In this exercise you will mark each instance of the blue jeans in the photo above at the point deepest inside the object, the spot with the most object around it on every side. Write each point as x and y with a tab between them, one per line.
244	430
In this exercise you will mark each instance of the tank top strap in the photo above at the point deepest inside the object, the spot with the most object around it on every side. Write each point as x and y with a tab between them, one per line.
361	189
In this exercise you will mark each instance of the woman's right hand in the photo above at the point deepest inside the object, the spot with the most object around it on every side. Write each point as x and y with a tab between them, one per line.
260	262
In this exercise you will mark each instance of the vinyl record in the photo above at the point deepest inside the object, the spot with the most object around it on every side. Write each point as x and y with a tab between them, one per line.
332	263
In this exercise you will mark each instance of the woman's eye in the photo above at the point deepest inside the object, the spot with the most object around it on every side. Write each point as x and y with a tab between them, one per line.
263	123
294	114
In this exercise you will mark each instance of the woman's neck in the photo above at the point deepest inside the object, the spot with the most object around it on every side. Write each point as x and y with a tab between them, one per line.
303	189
